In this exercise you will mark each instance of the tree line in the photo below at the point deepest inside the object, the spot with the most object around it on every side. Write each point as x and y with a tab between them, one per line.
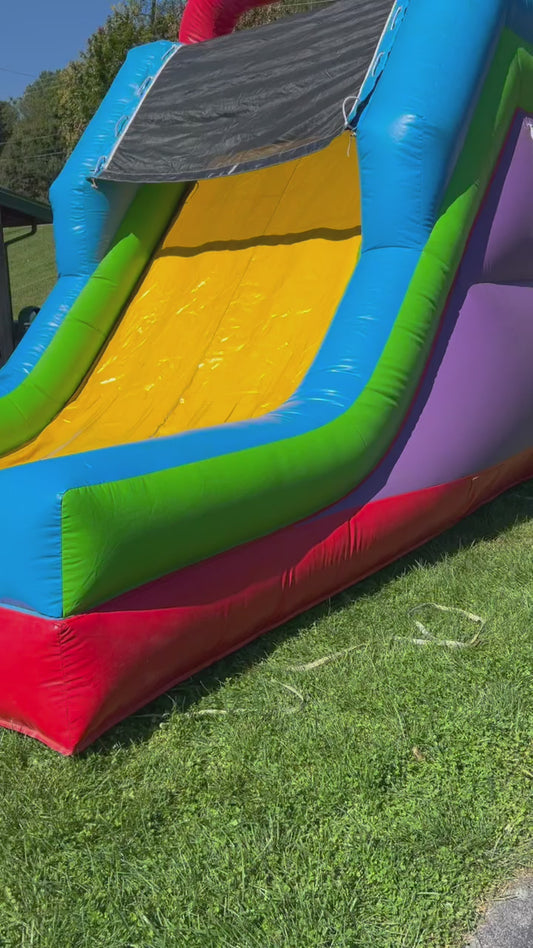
39	130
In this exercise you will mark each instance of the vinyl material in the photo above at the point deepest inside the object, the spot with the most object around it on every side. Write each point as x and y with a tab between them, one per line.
231	312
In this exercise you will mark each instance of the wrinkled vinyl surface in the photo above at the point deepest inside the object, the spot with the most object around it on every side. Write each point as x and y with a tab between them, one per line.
230	313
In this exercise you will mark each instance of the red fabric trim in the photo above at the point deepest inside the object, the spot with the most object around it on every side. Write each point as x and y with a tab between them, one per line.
206	19
67	681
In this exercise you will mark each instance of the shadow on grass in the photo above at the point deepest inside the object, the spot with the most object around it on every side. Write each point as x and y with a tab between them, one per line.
487	523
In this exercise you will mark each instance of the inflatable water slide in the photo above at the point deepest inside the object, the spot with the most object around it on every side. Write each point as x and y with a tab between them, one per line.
291	340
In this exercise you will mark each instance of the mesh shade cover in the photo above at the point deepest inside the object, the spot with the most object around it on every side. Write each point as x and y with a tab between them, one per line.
251	99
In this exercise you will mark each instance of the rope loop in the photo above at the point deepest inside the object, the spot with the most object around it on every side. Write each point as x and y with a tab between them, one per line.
346	112
168	52
396	17
121	124
145	85
100	164
375	67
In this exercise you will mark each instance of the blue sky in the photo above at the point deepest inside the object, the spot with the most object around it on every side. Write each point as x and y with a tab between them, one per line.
44	34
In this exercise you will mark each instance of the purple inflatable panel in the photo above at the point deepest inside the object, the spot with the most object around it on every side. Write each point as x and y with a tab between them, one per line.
474	408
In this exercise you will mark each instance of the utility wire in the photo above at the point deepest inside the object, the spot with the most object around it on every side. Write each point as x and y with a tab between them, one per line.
16	72
46	154
28	141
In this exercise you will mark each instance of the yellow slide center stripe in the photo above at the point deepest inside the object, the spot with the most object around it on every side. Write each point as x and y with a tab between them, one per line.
230	313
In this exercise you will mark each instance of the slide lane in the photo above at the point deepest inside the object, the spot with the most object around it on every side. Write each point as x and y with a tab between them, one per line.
230	313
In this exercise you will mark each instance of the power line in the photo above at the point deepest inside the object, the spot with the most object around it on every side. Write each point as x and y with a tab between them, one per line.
16	72
45	154
29	141
51	80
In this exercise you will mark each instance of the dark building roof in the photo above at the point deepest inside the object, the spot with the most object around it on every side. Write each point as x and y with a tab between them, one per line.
18	211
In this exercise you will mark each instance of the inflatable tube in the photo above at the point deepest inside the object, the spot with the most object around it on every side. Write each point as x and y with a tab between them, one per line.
206	19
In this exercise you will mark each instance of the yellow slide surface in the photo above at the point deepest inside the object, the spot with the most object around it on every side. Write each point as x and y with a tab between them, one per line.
230	313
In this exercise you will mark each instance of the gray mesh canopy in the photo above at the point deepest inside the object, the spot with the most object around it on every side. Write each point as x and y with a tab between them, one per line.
251	99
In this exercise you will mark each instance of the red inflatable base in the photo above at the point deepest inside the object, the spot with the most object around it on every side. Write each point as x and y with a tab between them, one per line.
66	681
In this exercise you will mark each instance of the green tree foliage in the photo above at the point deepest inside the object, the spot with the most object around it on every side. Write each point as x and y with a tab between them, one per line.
35	151
43	126
86	81
8	118
263	15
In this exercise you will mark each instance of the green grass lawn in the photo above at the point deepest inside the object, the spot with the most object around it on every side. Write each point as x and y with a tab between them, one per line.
370	801
31	265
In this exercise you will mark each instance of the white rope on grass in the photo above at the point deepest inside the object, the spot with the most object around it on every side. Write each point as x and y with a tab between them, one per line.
291	688
212	712
430	639
325	660
222	712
